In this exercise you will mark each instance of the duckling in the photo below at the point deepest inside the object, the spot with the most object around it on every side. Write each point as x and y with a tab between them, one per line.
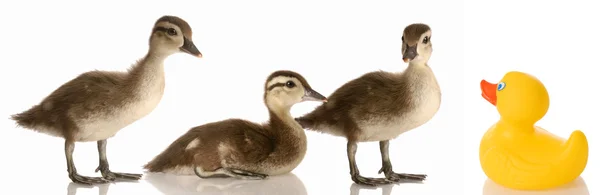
97	104
242	149
379	106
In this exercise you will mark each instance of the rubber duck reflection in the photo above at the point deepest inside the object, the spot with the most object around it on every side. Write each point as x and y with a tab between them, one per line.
169	184
577	187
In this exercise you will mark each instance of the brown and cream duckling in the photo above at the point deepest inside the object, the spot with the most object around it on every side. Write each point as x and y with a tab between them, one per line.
95	105
243	149
379	106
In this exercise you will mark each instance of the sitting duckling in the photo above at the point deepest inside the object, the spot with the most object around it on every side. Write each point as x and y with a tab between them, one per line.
95	105
243	149
379	106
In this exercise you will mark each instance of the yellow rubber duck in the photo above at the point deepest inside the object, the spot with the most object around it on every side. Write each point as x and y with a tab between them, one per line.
519	155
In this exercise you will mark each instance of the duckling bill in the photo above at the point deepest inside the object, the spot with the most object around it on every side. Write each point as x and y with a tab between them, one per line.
96	105
243	149
379	106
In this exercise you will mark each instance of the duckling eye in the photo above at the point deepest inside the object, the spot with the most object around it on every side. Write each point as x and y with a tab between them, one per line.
290	84
171	31
402	38
425	40
501	86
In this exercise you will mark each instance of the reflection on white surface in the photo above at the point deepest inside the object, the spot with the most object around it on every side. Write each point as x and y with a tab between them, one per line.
170	184
577	187
385	189
72	188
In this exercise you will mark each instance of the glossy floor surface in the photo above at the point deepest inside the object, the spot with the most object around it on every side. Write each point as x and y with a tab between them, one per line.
292	184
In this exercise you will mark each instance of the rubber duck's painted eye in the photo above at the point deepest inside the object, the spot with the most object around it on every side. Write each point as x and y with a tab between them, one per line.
501	86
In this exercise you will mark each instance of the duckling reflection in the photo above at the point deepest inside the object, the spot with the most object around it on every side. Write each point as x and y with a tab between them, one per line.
577	187
170	184
385	189
72	188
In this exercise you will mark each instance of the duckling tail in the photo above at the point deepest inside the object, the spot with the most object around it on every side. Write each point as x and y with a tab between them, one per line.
28	118
575	155
163	161
313	123
306	122
171	158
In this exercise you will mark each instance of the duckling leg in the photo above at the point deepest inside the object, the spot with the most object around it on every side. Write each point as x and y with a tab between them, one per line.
73	175
201	173
237	173
104	168
387	166
356	177
242	174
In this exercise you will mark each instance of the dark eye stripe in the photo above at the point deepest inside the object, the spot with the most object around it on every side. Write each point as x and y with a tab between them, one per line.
275	85
162	29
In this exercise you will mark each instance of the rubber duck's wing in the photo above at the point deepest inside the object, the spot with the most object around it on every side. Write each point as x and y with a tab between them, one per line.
513	166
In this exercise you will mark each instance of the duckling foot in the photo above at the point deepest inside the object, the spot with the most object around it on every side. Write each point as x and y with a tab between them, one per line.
355	174
103	167
73	175
387	166
86	180
109	175
228	172
390	175
370	181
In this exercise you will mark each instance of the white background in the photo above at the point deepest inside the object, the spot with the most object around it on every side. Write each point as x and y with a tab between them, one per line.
44	44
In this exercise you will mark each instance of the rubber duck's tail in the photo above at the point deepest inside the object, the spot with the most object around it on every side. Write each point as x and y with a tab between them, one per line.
575	155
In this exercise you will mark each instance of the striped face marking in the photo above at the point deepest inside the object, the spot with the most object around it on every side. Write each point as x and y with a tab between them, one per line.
169	29
284	91
286	82
167	36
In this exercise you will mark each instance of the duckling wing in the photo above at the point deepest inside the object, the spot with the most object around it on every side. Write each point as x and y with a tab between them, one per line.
374	88
244	142
88	92
233	142
373	94
256	145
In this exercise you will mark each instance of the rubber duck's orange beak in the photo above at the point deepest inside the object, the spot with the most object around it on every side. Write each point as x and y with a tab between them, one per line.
488	91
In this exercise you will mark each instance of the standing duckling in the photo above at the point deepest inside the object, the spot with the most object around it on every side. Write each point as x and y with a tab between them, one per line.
379	106
243	149
97	104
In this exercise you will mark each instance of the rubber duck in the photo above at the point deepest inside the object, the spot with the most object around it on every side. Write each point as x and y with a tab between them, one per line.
243	149
97	104
519	155
380	106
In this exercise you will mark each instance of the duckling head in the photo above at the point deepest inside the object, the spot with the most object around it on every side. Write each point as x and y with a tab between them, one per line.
171	35
416	43
519	97
285	88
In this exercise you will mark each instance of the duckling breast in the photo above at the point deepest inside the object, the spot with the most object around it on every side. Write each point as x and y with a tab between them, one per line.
422	101
286	157
106	123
